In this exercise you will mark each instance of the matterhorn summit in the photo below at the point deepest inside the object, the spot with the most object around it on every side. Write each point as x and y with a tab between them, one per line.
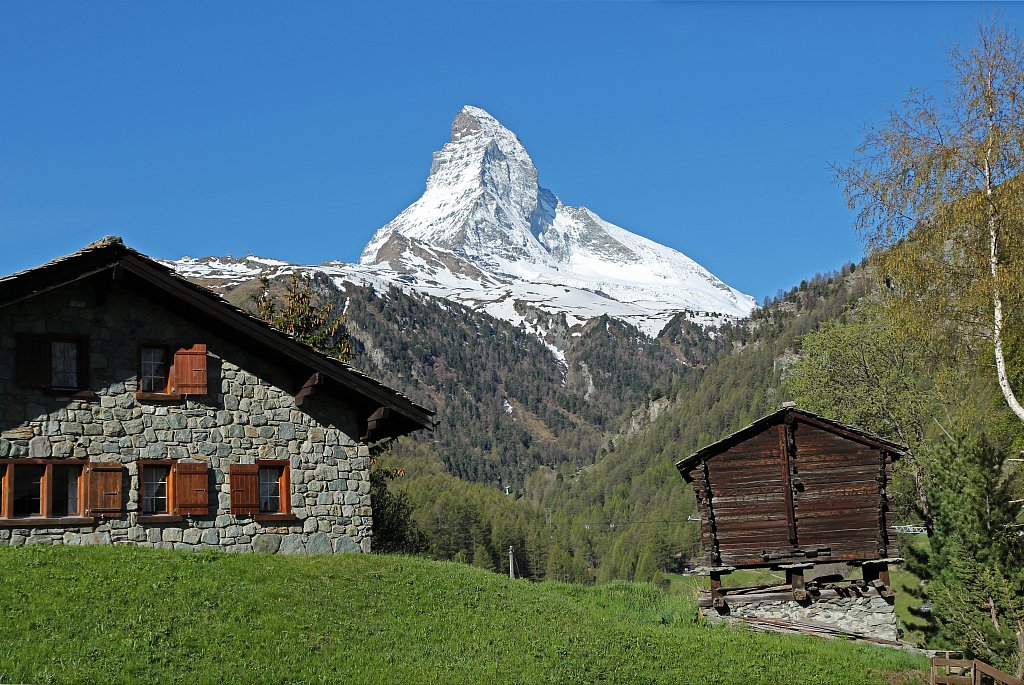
486	233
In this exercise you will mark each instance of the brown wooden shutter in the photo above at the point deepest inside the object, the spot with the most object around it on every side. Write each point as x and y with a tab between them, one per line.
188	376
32	361
245	489
104	488
191	489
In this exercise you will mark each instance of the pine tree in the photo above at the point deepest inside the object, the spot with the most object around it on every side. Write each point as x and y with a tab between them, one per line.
299	316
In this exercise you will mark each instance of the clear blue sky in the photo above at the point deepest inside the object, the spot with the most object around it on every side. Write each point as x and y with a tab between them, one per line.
294	130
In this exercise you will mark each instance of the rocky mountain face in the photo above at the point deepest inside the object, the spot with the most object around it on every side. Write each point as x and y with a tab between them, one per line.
535	329
485	234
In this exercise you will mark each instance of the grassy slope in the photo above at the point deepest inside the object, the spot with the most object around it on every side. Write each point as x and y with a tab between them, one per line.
113	614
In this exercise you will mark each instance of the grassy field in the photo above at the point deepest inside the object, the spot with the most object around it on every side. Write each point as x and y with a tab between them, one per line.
118	614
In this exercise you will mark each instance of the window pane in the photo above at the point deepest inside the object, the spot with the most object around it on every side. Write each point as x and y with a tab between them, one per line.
154	489
28	482
270	490
154	369
65	489
64	364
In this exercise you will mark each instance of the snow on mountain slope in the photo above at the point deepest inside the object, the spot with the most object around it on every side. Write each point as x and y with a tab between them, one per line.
486	234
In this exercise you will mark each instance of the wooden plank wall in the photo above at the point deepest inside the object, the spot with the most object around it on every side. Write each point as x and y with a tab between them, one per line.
837	494
749	501
839	497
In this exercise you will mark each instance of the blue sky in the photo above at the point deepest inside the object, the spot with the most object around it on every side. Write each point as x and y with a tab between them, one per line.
296	130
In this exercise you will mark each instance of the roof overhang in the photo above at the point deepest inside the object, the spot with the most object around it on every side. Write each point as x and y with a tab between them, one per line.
110	261
789	414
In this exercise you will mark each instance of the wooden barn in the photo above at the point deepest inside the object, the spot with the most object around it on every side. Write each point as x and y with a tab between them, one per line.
794	491
793	486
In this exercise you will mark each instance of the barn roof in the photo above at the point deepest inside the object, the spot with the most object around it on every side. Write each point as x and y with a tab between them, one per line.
784	414
148	277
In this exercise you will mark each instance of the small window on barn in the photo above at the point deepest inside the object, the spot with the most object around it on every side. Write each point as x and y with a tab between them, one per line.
52	362
49	490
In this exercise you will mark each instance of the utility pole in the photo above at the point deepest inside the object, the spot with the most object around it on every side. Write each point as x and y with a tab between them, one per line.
511	564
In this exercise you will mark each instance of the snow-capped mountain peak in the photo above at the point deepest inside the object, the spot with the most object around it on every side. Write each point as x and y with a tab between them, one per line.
483	205
486	234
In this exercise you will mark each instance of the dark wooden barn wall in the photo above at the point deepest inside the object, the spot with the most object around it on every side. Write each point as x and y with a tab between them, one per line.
837	504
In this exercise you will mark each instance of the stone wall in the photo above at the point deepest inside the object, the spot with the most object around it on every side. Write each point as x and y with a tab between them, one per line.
248	414
871	616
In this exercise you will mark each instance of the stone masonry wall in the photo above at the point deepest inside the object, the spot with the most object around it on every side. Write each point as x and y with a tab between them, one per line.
248	414
872	616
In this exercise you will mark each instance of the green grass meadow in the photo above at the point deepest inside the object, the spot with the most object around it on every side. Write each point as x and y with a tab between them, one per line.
128	615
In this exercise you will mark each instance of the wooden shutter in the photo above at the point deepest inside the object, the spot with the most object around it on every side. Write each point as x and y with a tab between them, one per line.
32	361
191	489
245	489
188	375
104	488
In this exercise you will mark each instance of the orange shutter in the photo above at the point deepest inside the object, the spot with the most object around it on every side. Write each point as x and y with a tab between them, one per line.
32	361
189	372
245	489
104	487
191	489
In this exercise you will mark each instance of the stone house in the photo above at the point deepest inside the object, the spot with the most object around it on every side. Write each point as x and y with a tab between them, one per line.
139	408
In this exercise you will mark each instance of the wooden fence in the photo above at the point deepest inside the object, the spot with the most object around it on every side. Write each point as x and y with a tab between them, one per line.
946	671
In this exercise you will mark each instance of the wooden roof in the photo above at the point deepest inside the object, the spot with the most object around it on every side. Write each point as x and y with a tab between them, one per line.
789	414
111	259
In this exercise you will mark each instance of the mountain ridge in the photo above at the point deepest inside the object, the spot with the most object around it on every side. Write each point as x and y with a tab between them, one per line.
486	234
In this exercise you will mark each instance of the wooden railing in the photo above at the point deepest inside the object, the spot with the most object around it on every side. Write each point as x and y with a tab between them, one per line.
946	671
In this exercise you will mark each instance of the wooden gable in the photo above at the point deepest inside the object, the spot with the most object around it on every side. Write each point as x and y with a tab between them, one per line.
793	486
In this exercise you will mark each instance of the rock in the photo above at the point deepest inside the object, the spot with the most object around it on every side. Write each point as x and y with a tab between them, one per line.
267	543
39	447
176	421
211	536
292	544
319	544
345	544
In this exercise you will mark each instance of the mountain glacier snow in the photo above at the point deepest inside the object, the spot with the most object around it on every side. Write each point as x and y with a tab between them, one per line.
486	234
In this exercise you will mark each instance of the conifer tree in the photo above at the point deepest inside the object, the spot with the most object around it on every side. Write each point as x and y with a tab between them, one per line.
299	316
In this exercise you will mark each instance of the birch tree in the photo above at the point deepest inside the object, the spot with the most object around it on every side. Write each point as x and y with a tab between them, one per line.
938	193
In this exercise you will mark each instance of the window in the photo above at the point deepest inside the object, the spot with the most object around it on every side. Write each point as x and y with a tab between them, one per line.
67	489
28	490
170	489
270	490
261	490
164	375
42	490
155	489
63	364
154	369
53	362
